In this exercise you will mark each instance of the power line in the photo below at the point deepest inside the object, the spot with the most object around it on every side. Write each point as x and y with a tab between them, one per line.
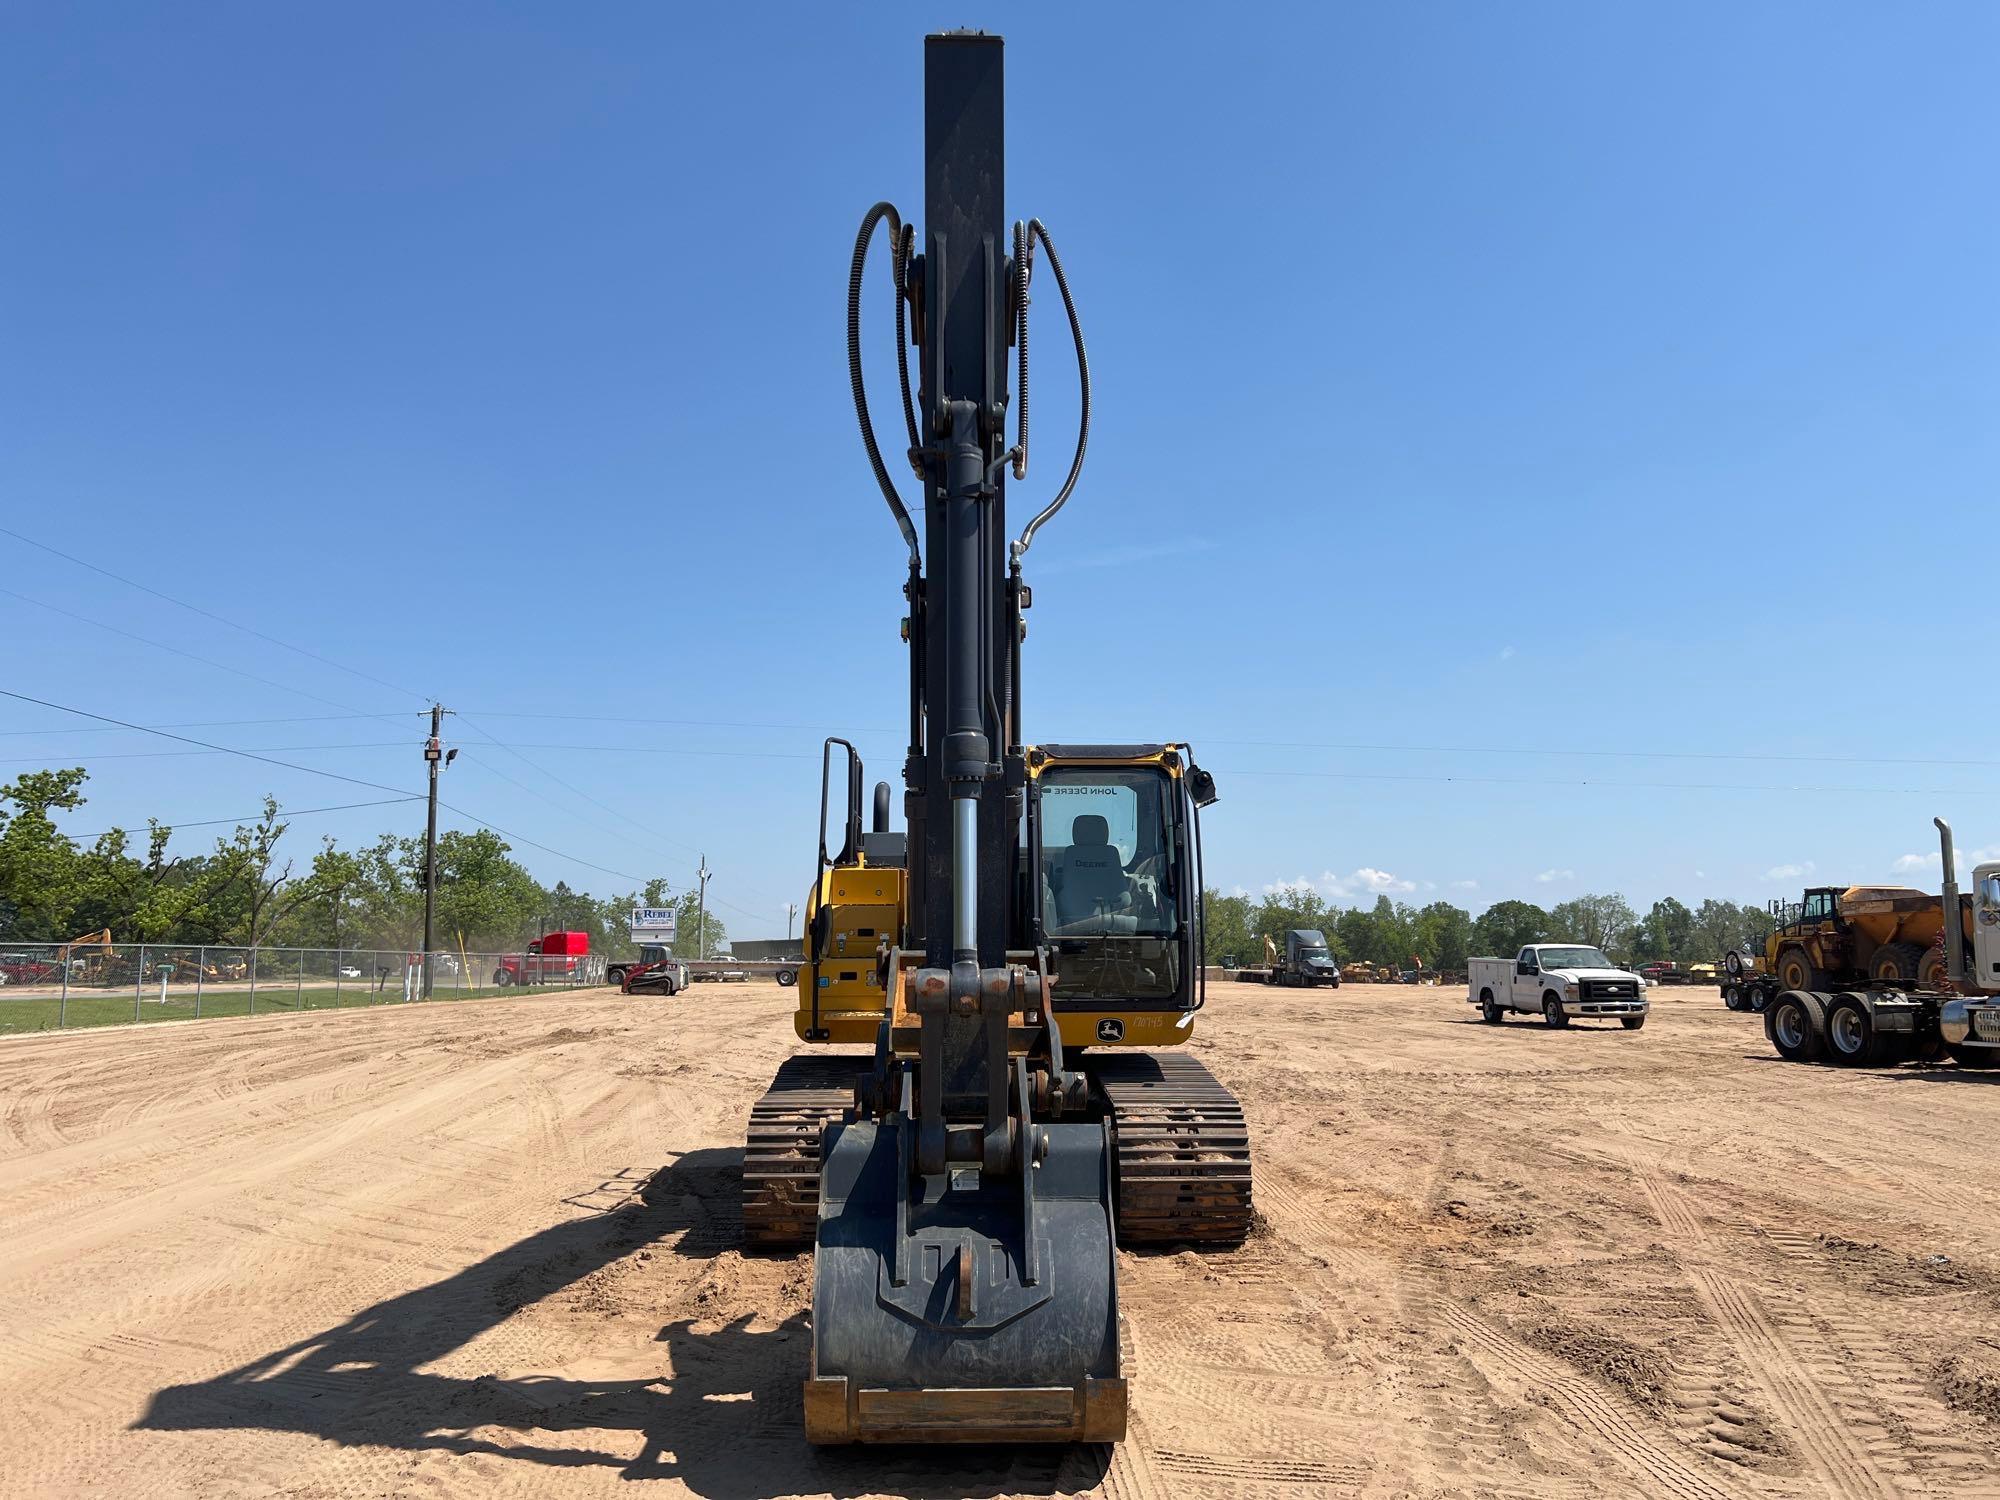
201	724
695	723
496	828
576	791
399	793
1649	786
133	635
1531	750
286	812
96	755
85	713
206	614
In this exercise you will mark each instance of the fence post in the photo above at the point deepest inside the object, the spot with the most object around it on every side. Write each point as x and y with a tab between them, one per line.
139	982
62	1005
336	978
200	973
253	981
299	989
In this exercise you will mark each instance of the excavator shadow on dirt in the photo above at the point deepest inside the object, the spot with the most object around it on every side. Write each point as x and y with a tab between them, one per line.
726	1422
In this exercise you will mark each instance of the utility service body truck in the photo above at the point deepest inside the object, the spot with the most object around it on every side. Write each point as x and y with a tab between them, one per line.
1558	981
1949	1007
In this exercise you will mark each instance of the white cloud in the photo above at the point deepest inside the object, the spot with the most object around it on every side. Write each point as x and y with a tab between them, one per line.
1905	863
1550	877
1331	886
1465	885
1789	872
1701	874
1507	653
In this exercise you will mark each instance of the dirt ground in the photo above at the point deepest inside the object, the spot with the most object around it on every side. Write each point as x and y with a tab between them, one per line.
489	1248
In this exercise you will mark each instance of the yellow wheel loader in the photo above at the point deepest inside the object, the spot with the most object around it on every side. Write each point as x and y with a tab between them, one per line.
990	1119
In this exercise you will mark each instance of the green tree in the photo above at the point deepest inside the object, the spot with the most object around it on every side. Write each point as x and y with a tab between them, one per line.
1668	931
1443	935
1602	922
1506	927
40	874
1229	929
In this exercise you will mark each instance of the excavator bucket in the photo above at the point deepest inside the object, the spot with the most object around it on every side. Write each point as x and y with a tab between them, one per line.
962	1308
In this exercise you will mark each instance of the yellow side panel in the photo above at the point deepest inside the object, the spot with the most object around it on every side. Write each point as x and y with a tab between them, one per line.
1137	1028
865	904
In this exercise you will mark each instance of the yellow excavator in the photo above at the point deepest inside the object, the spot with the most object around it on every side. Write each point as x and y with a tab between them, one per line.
1002	970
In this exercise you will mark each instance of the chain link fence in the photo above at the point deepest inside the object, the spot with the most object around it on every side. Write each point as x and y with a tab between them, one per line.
47	986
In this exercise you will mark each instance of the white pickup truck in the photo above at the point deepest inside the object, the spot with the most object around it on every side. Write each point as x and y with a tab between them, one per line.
1558	981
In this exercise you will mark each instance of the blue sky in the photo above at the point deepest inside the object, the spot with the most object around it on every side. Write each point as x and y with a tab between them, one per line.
1476	386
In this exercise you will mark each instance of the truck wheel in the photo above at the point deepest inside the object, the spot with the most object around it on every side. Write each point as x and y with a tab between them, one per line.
1931	969
1553	1013
1797	971
1631	1023
786	979
1896	961
1758	998
1850	1033
502	978
1732	996
1489	1009
1792	1030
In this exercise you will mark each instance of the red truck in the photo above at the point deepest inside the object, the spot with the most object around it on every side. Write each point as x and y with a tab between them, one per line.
552	958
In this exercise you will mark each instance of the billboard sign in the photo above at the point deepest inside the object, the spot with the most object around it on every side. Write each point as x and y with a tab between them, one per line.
652	924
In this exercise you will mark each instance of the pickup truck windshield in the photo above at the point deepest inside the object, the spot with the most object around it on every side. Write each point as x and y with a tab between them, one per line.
1573	958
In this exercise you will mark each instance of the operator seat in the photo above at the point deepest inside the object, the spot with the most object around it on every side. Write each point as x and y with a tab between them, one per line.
1089	876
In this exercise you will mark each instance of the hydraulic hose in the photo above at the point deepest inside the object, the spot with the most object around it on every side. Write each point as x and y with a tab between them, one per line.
898	242
1036	229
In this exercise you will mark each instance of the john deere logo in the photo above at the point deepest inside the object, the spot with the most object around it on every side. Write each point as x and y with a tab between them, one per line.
1110	1031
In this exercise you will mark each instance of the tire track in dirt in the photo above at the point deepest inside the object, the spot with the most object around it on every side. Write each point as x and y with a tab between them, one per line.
1823	1439
1618	1431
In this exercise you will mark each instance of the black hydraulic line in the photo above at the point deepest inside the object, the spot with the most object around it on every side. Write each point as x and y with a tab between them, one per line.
1020	548
1023	268
873	217
901	270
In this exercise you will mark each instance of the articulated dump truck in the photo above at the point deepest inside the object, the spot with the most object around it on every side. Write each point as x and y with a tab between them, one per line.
1928	970
991	1116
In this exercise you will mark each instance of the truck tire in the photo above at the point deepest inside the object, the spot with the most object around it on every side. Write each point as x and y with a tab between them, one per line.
1553	1012
1793	1030
1631	1023
502	978
1758	998
1732	996
1797	971
1851	1039
1896	961
787	978
1489	1009
1931	973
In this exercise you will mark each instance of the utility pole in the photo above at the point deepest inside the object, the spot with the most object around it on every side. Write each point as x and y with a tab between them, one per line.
791	911
436	758
701	912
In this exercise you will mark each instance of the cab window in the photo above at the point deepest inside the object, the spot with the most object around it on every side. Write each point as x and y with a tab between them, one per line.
1110	878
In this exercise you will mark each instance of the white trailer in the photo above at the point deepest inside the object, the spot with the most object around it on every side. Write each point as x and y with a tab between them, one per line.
1560	982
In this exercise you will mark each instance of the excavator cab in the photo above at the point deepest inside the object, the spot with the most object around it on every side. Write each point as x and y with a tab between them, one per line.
1115	842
